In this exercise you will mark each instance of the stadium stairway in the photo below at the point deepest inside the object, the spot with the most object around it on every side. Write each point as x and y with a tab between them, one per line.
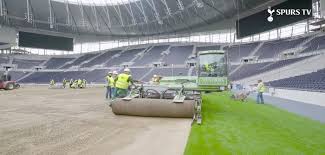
45	62
147	74
305	42
70	62
25	76
139	55
93	58
257	49
113	57
306	66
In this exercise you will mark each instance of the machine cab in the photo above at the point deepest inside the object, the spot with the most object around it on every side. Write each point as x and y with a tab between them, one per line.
212	69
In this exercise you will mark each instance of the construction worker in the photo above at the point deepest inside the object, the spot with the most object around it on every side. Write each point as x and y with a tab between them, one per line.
84	81
260	90
71	83
75	84
52	83
79	83
113	89
110	83
155	79
122	83
64	82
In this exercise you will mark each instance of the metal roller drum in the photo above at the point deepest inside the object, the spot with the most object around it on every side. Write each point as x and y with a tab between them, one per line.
154	108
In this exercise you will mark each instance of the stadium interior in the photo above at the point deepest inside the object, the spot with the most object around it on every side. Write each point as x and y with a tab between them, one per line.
44	40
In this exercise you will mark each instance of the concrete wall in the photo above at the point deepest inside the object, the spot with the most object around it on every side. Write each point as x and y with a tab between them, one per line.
317	98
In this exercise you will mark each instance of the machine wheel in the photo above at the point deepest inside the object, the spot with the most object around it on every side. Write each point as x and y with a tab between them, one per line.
17	86
151	93
169	94
10	86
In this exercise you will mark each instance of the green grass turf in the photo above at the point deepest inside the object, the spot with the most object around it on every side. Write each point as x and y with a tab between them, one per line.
232	127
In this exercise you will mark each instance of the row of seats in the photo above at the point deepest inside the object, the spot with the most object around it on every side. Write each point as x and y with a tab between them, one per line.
55	63
124	57
271	49
27	64
236	52
101	59
4	60
151	55
248	70
311	81
316	43
98	75
177	55
80	60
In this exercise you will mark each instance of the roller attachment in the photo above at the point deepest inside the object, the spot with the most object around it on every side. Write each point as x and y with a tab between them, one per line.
154	108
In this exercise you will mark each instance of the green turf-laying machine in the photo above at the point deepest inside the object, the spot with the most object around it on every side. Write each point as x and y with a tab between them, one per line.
177	96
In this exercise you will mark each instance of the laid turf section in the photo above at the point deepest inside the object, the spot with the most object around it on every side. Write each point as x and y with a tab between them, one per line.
231	127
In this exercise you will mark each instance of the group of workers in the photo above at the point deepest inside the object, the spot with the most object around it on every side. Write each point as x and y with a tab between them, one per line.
118	84
80	83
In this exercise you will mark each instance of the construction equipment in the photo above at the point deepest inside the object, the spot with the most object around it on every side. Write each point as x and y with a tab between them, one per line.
8	84
177	96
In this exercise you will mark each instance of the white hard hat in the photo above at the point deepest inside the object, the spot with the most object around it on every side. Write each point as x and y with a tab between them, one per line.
115	72
155	75
127	70
110	72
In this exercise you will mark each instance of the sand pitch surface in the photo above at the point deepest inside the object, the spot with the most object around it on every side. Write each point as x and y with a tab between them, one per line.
38	120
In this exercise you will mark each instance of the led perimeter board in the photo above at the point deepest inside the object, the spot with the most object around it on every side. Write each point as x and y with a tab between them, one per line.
285	13
42	41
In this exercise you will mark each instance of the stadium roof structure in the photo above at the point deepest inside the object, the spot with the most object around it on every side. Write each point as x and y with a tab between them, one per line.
124	18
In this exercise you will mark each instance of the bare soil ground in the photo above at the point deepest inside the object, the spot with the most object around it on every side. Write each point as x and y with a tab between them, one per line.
38	120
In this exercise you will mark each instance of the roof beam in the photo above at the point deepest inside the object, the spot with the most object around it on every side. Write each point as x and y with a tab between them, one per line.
83	22
103	19
152	5
29	15
74	21
167	8
96	18
118	11
129	9
106	10
180	5
216	9
88	18
1	8
68	13
51	17
142	11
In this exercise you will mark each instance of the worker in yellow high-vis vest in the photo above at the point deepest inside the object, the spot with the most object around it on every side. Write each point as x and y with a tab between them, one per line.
109	84
122	82
113	89
260	90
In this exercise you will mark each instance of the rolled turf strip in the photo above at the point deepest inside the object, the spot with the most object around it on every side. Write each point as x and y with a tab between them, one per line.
154	108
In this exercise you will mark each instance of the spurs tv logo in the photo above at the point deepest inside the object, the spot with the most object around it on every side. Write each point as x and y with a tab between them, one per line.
287	12
270	11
